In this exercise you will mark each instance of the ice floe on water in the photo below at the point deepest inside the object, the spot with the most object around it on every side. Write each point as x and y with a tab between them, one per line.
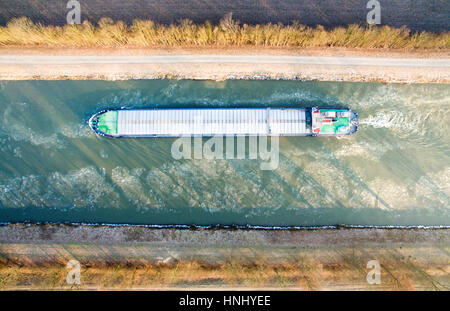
306	98
3	85
169	90
132	186
369	97
74	130
83	188
21	133
15	120
125	99
103	154
359	149
434	189
18	152
213	185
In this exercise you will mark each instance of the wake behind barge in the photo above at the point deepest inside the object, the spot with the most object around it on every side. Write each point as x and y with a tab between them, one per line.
225	121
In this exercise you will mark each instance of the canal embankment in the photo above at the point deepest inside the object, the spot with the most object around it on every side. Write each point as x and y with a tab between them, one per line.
35	257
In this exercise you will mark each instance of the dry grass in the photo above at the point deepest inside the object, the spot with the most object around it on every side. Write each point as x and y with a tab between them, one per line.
188	274
302	274
229	32
142	266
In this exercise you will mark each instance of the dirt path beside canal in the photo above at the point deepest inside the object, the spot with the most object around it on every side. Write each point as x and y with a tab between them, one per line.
228	63
35	257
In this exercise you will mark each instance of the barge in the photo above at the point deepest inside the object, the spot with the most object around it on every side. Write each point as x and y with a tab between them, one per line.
225	121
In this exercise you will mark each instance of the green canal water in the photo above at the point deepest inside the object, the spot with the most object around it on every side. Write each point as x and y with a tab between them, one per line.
394	171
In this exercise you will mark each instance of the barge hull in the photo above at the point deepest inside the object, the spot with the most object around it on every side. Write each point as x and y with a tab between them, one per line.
223	122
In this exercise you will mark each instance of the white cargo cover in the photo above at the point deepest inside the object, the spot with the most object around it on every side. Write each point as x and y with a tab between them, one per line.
210	122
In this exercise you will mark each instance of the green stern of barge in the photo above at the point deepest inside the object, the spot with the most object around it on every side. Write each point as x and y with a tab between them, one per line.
336	124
